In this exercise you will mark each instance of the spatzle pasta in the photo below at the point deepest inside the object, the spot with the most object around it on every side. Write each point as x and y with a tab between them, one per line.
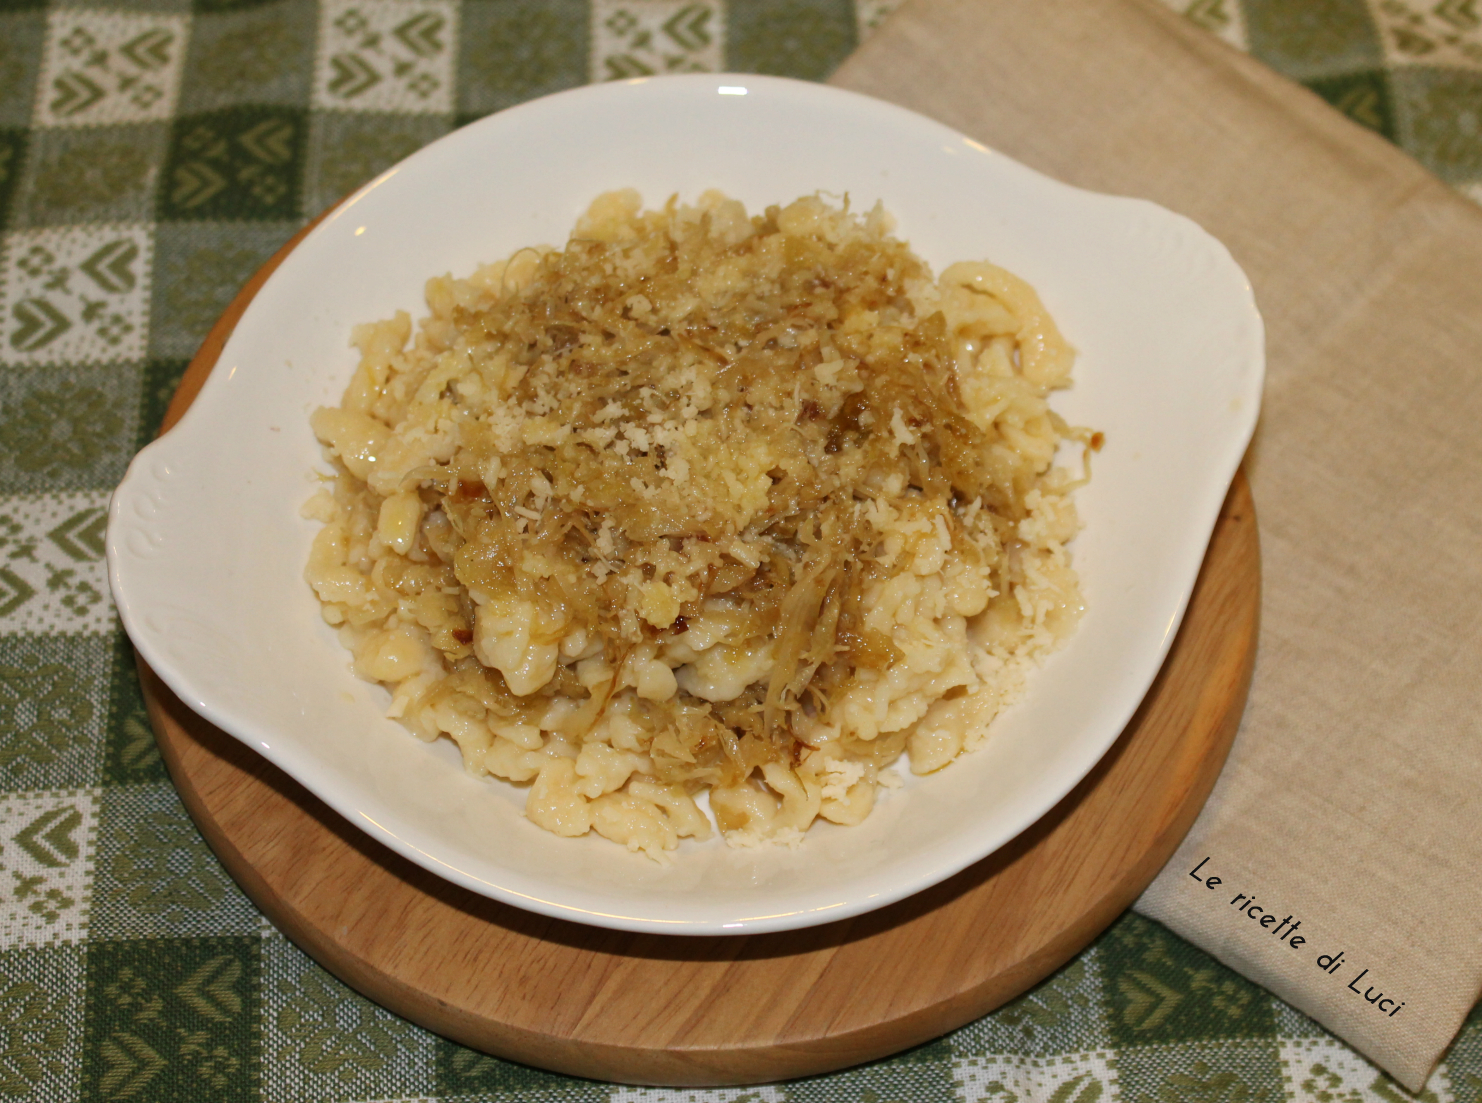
703	503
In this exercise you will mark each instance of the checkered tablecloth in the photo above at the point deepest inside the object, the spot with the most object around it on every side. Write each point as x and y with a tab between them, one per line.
152	154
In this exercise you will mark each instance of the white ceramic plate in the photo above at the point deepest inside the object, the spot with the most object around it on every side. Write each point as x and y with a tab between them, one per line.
206	547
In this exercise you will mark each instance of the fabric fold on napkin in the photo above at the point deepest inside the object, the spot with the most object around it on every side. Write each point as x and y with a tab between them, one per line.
1350	811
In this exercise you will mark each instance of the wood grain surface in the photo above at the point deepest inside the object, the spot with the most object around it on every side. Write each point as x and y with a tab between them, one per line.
656	1009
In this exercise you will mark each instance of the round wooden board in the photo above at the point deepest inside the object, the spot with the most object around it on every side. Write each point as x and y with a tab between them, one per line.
656	1009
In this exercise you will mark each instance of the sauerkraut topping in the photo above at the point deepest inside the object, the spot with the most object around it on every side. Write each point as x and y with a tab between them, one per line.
702	502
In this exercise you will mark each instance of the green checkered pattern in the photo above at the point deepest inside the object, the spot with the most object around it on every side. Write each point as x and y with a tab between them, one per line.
152	154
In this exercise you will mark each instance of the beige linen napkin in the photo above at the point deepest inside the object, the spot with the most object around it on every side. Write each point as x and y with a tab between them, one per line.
1352	801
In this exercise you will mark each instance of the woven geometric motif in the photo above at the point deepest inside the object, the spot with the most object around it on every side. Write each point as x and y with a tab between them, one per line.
639	38
1321	1070
42	1010
328	1042
1426	32
156	877
235	163
110	67
78	294
53	708
1075	1078
46	866
52	574
173	1021
386	55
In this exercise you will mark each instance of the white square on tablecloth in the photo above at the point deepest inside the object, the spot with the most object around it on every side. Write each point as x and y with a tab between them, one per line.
75	294
640	38
107	67
46	850
386	55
